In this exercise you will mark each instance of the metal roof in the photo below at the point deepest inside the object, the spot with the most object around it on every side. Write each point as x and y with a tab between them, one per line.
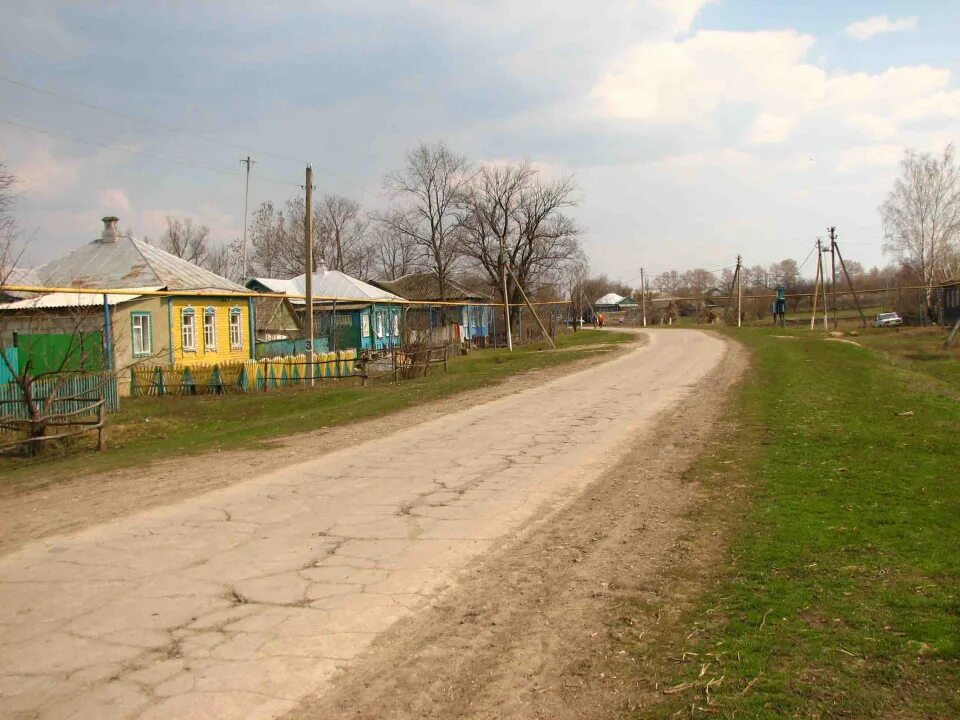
68	300
426	286
610	299
326	283
129	262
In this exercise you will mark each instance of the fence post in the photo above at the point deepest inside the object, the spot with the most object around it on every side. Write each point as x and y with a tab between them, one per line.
100	421
445	349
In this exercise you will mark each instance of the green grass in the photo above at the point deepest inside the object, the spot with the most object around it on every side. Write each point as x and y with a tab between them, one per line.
147	429
840	595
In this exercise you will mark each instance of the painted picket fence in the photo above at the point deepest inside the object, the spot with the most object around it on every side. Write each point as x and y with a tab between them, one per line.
244	376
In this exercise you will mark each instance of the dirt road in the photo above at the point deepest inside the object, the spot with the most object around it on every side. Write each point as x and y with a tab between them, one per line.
240	602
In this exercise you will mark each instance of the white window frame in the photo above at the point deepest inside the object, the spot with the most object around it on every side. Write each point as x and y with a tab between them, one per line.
365	325
378	323
141	333
188	332
210	312
396	323
236	328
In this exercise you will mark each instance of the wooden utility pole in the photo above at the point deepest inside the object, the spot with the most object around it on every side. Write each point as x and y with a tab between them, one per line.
530	305
816	286
833	271
308	255
853	291
643	297
823	286
246	204
506	300
739	291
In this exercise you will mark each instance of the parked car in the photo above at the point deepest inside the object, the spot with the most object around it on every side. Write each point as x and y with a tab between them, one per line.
890	319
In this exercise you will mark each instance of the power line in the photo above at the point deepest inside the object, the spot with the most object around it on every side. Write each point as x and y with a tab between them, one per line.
135	118
173	129
156	156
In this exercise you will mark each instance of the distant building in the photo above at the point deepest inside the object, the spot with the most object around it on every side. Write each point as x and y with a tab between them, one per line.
611	302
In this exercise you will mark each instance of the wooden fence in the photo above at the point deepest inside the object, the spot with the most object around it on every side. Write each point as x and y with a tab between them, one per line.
245	376
70	393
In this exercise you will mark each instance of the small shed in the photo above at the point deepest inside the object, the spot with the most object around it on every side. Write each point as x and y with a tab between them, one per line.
950	303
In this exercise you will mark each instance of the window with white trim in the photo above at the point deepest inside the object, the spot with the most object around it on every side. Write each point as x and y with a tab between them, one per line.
236	329
396	324
209	329
379	326
188	329
365	325
141	334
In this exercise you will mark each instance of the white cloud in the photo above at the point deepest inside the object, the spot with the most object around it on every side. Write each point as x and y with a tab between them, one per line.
866	29
686	81
691	81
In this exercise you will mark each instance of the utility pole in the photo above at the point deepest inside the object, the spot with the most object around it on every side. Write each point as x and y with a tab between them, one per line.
506	300
308	253
739	291
853	290
833	271
643	297
246	204
816	286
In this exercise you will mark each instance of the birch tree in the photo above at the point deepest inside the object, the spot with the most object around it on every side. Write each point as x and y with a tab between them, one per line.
921	217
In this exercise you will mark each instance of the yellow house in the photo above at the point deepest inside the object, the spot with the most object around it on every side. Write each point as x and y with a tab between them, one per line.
183	315
209	330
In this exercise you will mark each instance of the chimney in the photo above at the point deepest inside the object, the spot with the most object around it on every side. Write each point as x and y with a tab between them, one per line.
110	232
321	267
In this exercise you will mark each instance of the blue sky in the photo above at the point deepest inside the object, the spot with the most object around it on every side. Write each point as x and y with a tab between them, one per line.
696	130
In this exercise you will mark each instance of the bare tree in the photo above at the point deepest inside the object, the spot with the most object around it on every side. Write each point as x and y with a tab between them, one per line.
277	239
224	260
345	227
394	253
185	241
429	192
511	218
921	217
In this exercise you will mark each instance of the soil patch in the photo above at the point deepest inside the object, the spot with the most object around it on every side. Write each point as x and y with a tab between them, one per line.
533	631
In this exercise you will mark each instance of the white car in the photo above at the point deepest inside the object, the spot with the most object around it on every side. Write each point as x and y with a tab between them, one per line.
890	319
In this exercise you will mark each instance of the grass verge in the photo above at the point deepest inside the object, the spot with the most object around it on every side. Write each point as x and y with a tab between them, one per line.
146	429
838	595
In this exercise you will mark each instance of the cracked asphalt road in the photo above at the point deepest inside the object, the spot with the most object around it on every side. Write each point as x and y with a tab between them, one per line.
237	603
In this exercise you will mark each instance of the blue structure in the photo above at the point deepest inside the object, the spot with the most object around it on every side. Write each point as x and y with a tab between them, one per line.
473	317
348	312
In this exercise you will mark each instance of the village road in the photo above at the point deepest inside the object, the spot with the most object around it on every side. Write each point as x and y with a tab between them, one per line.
237	603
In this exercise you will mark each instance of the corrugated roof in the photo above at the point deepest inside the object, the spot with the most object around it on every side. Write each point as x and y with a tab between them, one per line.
326	283
610	299
426	286
69	300
129	262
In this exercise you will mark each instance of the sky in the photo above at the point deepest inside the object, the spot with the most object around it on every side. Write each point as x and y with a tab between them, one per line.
697	130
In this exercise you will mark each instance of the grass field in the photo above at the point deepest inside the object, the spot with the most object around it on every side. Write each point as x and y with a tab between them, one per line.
151	428
840	593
